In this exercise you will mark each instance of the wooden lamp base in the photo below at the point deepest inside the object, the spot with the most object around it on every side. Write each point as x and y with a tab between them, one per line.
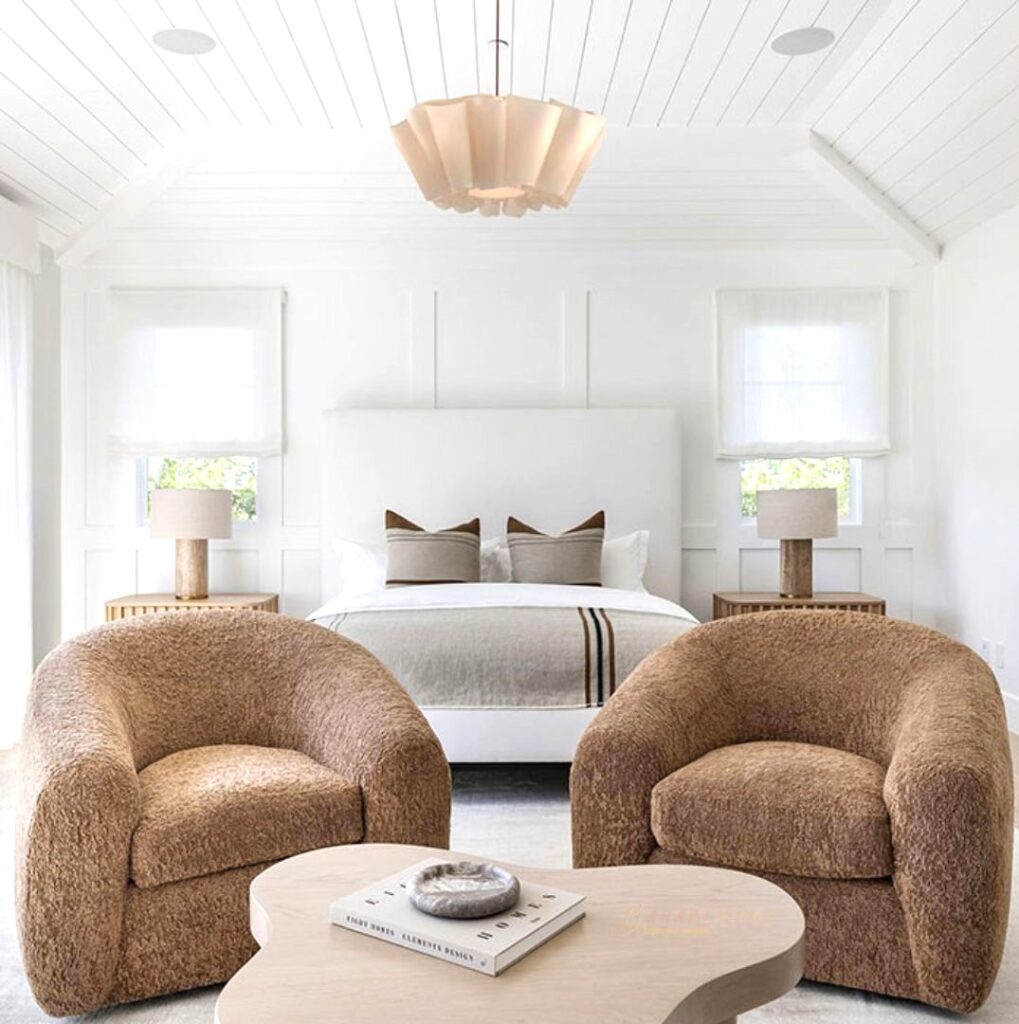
192	570
796	572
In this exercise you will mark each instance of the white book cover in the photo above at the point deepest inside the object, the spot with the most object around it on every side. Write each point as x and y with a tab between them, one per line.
488	944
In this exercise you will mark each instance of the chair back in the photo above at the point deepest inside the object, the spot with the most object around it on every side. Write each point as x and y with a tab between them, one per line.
833	678
189	679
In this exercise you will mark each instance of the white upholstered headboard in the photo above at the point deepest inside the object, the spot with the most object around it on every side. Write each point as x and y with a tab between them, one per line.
550	467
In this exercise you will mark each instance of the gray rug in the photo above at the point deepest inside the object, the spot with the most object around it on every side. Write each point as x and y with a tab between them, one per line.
519	815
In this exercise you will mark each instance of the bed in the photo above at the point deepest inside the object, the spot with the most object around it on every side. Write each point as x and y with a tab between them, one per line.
505	671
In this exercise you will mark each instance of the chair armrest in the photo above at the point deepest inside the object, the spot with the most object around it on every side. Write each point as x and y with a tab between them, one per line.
949	795
351	715
669	712
77	809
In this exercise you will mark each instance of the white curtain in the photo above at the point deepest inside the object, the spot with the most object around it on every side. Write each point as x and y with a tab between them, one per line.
195	371
802	373
15	497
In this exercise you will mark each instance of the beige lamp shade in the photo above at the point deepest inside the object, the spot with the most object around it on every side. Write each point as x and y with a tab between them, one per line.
797	514
191	514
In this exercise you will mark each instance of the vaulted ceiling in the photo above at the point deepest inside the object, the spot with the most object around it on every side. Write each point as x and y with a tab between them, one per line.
905	131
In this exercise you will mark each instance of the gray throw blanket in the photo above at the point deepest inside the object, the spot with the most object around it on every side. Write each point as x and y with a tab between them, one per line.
509	657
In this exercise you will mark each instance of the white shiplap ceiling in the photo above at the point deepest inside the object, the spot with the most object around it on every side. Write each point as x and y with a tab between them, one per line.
280	132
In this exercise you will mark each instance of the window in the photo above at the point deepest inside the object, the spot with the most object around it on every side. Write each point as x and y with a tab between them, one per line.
194	372
802	373
236	473
193	383
839	472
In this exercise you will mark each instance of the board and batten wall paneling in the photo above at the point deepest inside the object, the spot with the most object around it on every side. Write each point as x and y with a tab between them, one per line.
834	568
654	346
390	330
345	343
531	337
978	422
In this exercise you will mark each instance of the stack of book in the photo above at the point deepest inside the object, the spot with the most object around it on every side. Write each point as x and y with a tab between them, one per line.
488	945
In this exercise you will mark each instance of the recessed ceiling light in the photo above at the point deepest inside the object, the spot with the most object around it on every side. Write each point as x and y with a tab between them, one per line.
187	41
801	41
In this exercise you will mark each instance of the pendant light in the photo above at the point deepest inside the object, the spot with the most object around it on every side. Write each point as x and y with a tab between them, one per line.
498	154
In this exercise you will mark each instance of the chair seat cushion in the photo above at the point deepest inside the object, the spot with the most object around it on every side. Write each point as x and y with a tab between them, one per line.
208	809
788	808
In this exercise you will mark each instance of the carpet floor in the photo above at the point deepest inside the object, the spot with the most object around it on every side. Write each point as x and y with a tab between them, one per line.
519	815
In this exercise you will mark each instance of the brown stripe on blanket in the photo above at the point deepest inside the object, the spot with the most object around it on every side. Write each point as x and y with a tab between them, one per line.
599	657
611	651
587	658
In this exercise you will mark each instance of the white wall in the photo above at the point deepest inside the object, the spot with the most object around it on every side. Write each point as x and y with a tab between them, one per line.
494	329
977	304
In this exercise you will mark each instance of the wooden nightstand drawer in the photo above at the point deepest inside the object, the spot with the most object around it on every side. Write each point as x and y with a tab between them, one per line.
743	603
145	604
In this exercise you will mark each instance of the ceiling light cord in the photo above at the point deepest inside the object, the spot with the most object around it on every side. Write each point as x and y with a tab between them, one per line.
498	44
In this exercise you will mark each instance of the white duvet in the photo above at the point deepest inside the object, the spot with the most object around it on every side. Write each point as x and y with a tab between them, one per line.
502	595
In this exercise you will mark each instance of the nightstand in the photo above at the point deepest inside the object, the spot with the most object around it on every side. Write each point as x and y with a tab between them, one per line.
740	603
143	604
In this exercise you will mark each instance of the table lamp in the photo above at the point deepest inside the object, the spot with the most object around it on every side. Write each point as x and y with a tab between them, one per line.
191	517
795	518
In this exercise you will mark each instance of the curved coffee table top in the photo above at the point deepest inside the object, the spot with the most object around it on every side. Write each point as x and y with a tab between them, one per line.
688	945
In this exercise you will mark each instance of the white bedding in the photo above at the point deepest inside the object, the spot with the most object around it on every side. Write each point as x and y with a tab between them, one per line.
502	595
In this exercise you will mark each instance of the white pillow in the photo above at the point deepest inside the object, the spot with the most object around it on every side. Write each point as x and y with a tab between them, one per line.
363	566
495	562
623	561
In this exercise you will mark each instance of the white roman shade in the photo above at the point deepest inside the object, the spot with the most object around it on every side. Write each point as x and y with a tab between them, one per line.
802	373
15	493
195	371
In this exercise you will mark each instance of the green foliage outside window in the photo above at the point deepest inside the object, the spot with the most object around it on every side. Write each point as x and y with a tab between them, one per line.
235	473
775	474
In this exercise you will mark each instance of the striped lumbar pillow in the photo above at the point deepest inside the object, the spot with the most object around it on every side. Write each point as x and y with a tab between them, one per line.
415	556
574	557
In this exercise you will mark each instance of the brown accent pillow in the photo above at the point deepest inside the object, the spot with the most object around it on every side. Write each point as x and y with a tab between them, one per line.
414	556
573	558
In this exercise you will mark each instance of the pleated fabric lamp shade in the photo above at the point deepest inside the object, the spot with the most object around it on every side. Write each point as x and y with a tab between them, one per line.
498	154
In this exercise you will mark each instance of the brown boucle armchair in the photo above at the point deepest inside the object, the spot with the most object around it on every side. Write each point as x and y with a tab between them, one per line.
858	762
169	759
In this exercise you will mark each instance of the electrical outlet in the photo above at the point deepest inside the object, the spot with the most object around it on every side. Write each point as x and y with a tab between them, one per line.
985	650
999	654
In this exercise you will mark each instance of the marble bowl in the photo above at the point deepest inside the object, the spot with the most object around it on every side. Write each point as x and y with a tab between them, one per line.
463	890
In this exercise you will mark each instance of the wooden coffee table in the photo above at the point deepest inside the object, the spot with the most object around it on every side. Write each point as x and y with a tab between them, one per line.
688	945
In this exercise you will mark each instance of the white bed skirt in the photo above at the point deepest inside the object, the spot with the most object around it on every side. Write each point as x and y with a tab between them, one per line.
509	735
